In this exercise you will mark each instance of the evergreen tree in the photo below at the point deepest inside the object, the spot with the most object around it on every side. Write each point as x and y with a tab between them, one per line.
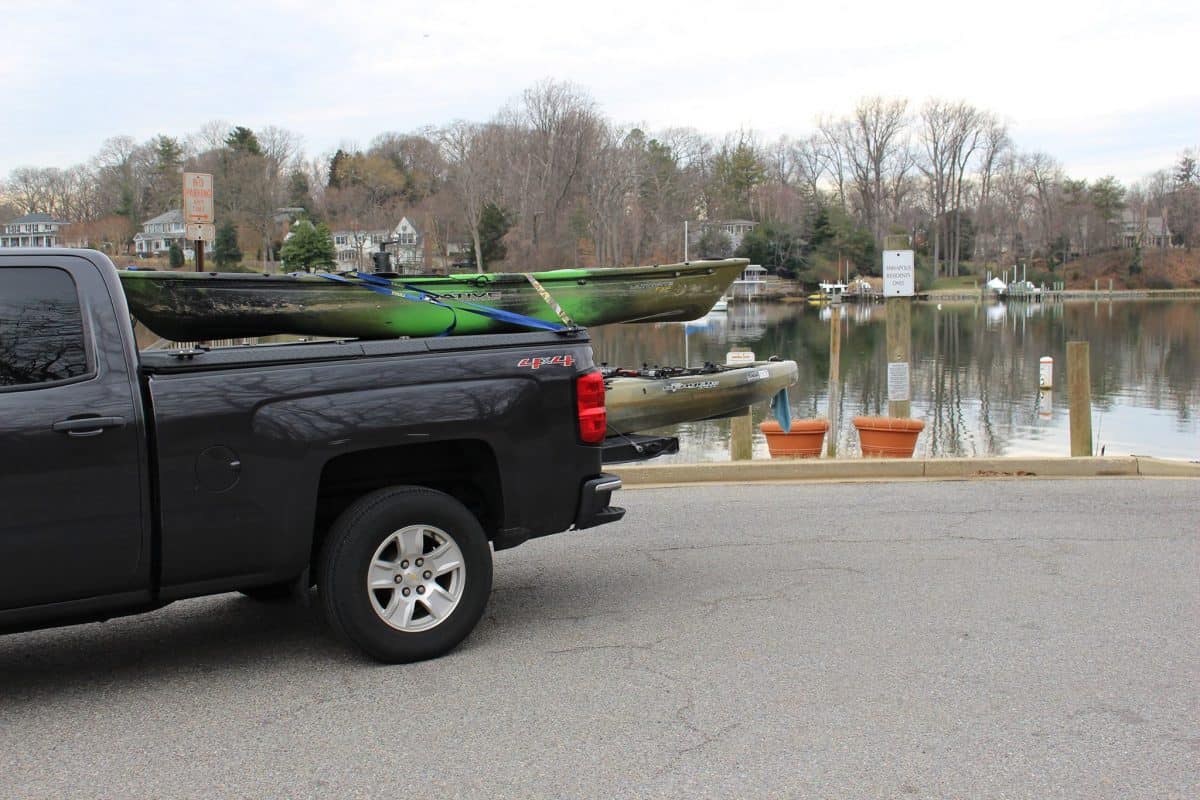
775	247
175	256
225	250
714	243
337	165
299	195
243	140
308	247
493	224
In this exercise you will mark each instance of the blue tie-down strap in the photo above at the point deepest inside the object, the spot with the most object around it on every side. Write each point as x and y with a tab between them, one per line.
384	287
781	410
416	294
498	314
372	285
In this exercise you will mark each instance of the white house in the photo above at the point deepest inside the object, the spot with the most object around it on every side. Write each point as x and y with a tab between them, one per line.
403	244
159	233
354	247
1152	231
31	230
735	229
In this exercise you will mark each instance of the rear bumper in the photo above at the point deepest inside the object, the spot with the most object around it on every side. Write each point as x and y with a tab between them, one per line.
594	499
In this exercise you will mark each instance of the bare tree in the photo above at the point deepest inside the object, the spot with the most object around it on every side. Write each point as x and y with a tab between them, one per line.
611	185
949	135
1013	193
870	142
995	145
1044	176
29	190
469	151
562	130
836	135
812	161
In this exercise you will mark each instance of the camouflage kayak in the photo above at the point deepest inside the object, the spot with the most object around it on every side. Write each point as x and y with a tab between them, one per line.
187	306
638	400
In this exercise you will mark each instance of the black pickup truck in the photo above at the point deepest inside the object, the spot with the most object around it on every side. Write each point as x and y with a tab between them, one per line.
382	472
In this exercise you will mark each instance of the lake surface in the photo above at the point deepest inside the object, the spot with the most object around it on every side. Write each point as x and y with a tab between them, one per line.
974	373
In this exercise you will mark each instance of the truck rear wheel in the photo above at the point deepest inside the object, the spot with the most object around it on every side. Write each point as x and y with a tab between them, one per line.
405	573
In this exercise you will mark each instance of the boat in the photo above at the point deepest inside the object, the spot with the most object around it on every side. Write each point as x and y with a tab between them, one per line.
191	306
721	306
829	293
642	399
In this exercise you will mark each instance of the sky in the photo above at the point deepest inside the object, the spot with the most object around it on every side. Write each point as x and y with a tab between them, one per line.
1103	87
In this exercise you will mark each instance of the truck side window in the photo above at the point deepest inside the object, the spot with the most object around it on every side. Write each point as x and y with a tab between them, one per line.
41	327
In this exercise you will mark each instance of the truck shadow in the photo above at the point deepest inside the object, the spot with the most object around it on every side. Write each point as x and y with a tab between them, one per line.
211	640
184	641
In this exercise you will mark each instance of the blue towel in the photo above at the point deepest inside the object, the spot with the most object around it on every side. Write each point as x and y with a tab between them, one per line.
781	410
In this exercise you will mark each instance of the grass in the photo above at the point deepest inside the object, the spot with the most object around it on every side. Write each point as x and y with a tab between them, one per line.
958	282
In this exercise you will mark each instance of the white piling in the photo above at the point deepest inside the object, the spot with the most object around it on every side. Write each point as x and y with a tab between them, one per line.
1046	372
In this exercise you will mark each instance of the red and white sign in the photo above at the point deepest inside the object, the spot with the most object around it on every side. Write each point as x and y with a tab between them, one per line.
197	198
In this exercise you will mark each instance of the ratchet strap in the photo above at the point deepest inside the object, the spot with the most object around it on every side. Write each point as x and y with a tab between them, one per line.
550	301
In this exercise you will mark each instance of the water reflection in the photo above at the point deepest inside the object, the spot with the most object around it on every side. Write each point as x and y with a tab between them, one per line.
974	372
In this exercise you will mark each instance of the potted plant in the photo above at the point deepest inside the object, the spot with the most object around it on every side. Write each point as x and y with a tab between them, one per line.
804	440
888	437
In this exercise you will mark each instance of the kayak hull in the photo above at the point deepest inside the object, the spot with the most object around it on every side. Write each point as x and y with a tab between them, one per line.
186	306
637	403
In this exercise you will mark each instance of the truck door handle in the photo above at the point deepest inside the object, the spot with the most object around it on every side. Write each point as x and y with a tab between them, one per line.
87	426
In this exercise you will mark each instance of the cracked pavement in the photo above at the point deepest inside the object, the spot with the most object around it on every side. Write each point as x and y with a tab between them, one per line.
987	638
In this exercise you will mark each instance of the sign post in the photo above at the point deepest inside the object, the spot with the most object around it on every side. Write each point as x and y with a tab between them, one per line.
198	210
899	286
835	376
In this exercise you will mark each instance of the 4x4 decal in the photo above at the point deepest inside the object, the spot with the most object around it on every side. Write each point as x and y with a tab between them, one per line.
539	361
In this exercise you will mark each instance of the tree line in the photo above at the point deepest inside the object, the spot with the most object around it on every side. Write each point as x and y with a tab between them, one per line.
551	181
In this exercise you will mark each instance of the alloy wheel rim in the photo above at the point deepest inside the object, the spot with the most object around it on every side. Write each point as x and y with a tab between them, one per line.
416	578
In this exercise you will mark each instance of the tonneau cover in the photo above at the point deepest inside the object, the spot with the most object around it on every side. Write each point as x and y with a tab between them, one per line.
199	358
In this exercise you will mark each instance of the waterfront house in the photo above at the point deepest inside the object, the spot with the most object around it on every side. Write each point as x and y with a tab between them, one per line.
751	284
734	229
403	244
158	234
1150	231
31	230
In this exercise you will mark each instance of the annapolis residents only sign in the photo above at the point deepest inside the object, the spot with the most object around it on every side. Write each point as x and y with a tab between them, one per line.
899	276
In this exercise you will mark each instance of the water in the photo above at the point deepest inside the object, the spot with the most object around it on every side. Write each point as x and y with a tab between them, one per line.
974	373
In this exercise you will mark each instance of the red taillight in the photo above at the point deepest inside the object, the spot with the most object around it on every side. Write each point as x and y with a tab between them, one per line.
589	399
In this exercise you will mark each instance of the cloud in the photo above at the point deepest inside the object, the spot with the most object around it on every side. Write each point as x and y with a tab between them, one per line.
1068	75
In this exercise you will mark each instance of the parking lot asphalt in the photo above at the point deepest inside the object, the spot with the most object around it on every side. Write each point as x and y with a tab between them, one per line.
990	639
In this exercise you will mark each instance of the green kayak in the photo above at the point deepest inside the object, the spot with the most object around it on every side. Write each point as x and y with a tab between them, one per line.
188	306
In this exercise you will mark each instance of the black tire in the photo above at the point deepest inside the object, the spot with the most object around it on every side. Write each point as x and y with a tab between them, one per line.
271	593
350	549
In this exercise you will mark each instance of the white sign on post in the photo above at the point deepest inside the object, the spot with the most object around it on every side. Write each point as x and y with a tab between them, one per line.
899	274
197	198
207	232
897	381
739	357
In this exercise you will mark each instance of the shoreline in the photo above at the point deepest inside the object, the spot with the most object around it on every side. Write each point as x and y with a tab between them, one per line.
875	469
790	296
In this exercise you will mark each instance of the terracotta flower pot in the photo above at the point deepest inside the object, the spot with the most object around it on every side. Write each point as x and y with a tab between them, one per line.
888	437
804	441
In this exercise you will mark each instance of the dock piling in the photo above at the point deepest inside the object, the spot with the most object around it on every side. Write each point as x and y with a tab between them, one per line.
1079	395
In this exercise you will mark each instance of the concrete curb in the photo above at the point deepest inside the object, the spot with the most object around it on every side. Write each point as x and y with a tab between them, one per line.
902	469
